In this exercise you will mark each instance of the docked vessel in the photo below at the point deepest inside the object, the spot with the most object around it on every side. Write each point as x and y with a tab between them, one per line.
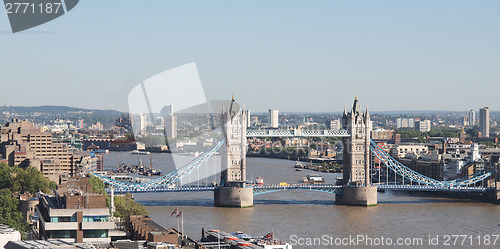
242	240
315	178
140	152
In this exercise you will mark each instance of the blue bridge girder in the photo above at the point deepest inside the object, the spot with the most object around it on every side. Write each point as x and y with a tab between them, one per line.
298	133
421	182
429	188
326	188
168	179
416	177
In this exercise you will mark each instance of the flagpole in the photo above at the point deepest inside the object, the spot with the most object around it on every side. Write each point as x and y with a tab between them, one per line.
182	220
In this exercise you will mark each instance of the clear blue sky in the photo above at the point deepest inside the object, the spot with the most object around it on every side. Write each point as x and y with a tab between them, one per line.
286	55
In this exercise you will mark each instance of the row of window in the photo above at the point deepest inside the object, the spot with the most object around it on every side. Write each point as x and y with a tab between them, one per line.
98	233
359	148
96	218
235	148
55	155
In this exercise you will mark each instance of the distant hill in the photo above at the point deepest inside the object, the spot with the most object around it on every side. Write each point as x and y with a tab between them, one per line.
56	110
53	110
42	114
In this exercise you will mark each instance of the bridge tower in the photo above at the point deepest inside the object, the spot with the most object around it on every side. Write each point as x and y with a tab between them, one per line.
357	189
232	191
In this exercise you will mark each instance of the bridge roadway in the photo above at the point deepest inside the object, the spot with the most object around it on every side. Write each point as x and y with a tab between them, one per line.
328	188
298	133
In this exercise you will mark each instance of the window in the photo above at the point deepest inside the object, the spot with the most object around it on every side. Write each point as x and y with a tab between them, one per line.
95	218
63	219
62	234
98	233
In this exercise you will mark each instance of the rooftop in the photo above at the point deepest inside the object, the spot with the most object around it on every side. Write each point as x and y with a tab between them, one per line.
53	244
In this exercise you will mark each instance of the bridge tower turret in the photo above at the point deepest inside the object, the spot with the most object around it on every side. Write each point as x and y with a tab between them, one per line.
356	146
233	191
357	188
233	158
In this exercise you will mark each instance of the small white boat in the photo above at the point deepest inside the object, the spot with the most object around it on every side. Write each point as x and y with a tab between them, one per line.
140	152
299	165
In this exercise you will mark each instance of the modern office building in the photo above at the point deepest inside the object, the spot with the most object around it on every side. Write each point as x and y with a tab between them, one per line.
333	124
411	123
167	110
143	124
405	123
423	125
400	151
24	144
484	121
249	121
74	214
471	118
273	118
80	124
171	126
86	161
382	134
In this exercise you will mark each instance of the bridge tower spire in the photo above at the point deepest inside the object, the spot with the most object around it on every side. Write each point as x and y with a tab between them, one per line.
233	191
357	188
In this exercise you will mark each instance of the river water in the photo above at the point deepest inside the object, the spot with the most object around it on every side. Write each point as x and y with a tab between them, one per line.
311	219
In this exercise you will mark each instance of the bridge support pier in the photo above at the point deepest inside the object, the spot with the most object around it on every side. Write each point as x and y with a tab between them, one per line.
496	193
357	196
233	197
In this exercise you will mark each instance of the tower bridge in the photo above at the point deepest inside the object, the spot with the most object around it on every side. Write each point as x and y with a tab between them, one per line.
326	188
356	188
298	133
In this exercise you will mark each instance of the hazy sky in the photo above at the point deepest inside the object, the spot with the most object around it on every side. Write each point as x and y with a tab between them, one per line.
286	55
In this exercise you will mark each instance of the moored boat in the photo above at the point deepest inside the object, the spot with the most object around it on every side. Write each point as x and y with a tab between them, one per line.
315	178
299	165
140	152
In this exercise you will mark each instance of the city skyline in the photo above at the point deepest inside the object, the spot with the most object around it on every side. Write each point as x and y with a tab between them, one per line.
314	58
376	112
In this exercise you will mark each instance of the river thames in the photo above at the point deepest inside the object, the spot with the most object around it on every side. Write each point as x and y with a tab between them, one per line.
299	216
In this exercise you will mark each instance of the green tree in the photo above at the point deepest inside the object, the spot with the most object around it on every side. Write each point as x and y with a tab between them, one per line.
27	180
444	132
126	206
15	179
98	186
488	144
5	176
411	134
472	132
10	213
53	185
31	181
